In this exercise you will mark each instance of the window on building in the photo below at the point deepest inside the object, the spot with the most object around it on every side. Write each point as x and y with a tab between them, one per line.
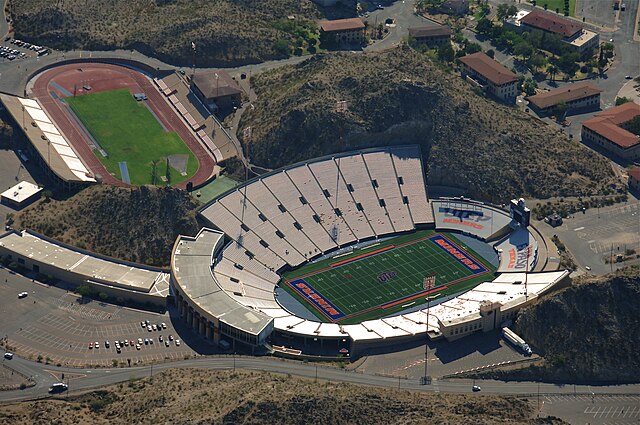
350	187
262	217
280	234
303	200
244	227
264	243
382	203
316	218
359	206
282	208
297	225
400	180
405	200
374	183
326	193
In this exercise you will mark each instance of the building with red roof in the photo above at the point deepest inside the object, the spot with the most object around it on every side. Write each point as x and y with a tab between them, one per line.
490	75
345	31
578	97
572	33
610	130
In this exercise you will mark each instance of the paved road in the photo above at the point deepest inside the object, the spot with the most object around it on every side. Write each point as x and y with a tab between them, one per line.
101	377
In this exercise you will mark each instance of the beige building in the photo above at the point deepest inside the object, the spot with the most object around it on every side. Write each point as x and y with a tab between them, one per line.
115	278
346	31
485	72
217	90
431	36
578	97
608	130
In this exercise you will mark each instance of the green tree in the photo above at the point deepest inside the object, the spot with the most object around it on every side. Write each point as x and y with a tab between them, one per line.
282	47
633	126
529	87
560	110
470	48
446	53
501	11
84	290
484	26
537	61
491	53
553	71
622	100
524	49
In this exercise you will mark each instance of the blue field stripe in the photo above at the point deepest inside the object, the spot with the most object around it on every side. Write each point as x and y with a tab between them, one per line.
124	172
325	306
458	253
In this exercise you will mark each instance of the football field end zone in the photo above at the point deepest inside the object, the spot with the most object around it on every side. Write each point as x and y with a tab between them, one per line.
316	299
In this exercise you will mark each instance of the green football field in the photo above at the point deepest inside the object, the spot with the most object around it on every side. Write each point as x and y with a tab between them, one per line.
386	278
129	132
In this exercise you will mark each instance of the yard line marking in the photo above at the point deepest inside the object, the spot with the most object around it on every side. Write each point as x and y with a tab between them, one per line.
577	229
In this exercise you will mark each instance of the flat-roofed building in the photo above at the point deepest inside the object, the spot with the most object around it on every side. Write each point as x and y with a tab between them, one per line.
485	72
433	36
578	97
610	130
634	179
20	195
346	31
113	277
217	90
572	33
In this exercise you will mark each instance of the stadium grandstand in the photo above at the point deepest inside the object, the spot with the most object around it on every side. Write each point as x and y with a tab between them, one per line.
227	281
50	145
115	278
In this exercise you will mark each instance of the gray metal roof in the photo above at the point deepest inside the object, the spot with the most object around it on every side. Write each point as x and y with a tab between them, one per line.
192	260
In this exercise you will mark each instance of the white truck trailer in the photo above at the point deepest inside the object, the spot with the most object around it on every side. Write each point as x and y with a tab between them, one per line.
514	339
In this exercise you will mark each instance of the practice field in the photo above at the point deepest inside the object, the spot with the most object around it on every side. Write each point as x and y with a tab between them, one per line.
129	132
383	279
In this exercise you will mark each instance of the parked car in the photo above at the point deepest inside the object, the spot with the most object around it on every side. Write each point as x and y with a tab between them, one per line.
96	344
164	325
23	294
170	337
166	343
106	344
177	343
90	345
160	338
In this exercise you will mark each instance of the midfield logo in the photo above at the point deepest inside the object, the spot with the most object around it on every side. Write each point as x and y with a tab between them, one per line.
386	276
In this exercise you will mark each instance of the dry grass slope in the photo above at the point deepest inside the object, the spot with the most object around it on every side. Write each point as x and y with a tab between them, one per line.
189	396
225	31
138	224
400	97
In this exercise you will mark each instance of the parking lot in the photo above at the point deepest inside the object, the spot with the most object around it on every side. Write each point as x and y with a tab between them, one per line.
475	351
62	328
14	49
590	237
594	410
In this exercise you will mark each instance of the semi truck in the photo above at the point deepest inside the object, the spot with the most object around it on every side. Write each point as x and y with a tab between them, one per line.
514	339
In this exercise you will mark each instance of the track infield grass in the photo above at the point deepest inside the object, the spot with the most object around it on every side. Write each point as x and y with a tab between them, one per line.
128	131
383	279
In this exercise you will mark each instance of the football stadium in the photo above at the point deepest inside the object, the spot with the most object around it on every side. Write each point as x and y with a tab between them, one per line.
342	255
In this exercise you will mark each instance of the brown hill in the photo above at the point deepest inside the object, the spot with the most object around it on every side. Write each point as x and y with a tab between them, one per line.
224	31
588	332
191	396
138	224
401	97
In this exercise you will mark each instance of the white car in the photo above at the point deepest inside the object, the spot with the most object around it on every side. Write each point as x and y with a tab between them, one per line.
8	356
476	388
164	325
23	294
588	268
149	328
154	327
177	343
96	344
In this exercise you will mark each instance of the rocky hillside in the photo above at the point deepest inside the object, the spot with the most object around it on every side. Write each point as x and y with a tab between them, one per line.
139	224
189	396
588	332
225	32
401	97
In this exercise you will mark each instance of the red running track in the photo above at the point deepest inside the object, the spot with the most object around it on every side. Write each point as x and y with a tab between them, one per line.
65	79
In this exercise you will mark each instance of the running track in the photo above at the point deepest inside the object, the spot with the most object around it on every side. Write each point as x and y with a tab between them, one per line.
103	77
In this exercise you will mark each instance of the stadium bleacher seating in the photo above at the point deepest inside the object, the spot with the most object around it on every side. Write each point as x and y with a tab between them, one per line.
291	216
